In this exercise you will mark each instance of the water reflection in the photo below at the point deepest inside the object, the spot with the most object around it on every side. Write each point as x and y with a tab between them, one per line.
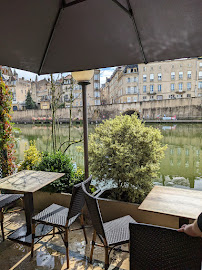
181	167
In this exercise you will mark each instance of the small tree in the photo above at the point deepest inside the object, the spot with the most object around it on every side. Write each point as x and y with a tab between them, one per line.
127	153
29	103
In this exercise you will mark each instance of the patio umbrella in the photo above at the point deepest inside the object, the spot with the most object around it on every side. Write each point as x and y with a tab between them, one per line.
46	36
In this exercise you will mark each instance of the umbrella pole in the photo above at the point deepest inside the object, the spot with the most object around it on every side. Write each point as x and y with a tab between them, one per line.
85	127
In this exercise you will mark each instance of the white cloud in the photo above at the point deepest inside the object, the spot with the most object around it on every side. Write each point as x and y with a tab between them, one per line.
106	73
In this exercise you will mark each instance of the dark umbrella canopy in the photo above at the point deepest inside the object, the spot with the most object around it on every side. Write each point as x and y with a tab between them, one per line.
48	36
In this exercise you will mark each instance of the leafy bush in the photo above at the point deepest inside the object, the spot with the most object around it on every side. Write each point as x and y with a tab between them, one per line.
59	162
32	157
127	153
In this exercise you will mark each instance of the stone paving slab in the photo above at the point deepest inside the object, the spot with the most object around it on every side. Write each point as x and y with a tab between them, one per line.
50	252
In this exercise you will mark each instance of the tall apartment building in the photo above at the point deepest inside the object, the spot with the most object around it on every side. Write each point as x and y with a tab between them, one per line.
154	81
93	91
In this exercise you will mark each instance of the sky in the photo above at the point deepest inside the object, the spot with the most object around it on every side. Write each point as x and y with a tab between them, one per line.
104	72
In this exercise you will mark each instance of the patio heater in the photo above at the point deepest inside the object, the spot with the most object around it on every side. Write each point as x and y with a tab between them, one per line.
83	78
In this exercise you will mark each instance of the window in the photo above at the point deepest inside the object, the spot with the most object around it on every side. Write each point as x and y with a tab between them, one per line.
135	99
159	67
96	85
66	98
80	103
159	77
200	64
144	78
96	77
144	88
135	79
188	74
14	96
200	85
173	66
159	87
188	95
172	87
151	77
159	97
180	87
128	90
144	97
172	75
121	92
76	103
144	69
188	86
180	75
22	91
151	88
200	74
131	89
128	99
97	94
128	80
151	68
135	90
97	102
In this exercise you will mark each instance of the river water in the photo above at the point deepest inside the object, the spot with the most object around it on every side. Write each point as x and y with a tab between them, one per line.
181	167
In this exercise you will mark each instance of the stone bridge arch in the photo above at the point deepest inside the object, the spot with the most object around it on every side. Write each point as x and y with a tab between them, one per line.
130	112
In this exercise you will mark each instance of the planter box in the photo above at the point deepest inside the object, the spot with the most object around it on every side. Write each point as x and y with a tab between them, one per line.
110	209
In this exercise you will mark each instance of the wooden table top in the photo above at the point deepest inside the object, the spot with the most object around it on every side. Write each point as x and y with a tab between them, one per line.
178	202
29	181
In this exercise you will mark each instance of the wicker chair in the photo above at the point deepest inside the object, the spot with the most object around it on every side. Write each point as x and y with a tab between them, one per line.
62	218
112	233
6	200
159	248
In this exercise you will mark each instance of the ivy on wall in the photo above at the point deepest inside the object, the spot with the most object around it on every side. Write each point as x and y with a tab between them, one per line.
7	151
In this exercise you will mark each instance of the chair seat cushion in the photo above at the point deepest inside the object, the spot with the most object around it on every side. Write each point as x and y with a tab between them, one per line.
6	199
117	231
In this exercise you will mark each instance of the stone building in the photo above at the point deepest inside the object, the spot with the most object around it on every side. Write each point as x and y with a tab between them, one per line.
168	80
154	81
93	91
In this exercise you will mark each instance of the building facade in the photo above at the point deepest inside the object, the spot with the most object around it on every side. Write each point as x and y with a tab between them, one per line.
154	81
71	91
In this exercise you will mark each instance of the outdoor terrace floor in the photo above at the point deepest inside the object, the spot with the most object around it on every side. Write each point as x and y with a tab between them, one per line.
50	252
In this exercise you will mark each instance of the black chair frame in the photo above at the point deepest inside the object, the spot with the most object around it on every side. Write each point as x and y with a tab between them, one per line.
52	216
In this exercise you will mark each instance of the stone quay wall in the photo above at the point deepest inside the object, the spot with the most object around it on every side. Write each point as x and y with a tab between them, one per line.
184	109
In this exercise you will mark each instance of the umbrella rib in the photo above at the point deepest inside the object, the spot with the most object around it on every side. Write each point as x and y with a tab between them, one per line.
129	11
50	39
73	3
137	32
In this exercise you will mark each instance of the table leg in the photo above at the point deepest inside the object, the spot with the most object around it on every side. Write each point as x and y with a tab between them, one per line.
29	210
183	221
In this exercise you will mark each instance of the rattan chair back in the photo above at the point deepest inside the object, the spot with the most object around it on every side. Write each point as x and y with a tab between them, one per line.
94	211
154	247
78	200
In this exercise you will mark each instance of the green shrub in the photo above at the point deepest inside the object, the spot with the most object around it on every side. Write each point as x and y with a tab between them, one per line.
58	162
127	153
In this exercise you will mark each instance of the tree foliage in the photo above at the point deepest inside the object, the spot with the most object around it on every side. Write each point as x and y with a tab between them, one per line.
29	103
126	152
7	159
32	157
